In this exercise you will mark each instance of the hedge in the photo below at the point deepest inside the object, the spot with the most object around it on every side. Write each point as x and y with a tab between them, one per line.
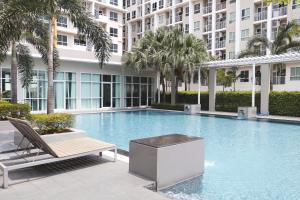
52	123
17	110
179	107
280	103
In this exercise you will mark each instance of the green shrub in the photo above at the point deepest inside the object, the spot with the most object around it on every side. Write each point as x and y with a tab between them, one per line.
52	123
179	107
17	110
285	103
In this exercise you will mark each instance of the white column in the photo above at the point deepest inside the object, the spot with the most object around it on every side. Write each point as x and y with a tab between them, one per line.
212	82
143	26
199	85
129	36
265	89
158	87
191	14
269	25
237	28
213	28
253	85
93	9
173	11
155	22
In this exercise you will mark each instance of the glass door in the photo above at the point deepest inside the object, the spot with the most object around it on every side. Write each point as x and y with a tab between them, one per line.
143	95
106	94
59	92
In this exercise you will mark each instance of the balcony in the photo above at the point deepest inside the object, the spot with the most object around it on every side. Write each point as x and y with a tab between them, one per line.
178	18
260	16
207	28
207	9
208	45
147	11
278	80
220	44
220	25
279	11
220	6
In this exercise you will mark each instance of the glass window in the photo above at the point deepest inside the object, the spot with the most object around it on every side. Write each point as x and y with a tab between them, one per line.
245	14
244	76
113	32
296	4
91	96
5	84
133	2
231	17
133	14
245	34
196	26
231	37
187	11
106	78
62	40
128	16
62	21
113	16
80	40
113	2
161	4
295	73
197	8
114	48
154	6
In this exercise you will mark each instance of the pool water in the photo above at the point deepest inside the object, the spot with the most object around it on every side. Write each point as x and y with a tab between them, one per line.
244	160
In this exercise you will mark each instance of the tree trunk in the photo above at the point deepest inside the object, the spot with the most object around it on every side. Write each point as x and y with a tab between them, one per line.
173	87
50	100
14	73
164	89
185	86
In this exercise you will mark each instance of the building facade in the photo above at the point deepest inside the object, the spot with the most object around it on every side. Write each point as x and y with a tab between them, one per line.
225	26
79	82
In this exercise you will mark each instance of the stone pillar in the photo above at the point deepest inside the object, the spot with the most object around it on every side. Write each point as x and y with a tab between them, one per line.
173	12
155	27
269	25
129	36
212	82
237	44
265	89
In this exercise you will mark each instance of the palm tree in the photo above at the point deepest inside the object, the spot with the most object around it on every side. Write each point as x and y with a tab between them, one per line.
15	29
282	43
75	10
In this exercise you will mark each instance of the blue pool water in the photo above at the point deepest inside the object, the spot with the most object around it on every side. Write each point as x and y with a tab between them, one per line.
244	160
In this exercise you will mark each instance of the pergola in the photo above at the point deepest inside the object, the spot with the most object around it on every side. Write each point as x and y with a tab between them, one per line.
263	61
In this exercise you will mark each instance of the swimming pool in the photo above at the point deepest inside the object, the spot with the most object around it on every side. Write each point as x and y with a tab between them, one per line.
244	160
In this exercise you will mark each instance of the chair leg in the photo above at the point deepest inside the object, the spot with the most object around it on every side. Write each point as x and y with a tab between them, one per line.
5	178
115	156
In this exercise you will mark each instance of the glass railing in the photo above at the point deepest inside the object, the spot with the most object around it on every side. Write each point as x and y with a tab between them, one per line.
207	9
260	16
220	44
178	18
280	11
220	25
207	28
220	6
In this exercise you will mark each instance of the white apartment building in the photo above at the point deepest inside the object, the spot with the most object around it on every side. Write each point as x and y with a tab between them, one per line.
79	82
225	26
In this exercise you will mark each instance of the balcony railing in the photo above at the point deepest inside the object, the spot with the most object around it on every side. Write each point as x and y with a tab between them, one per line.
260	16
208	45
178	18
280	11
220	44
220	25
220	6
207	9
261	33
278	80
207	28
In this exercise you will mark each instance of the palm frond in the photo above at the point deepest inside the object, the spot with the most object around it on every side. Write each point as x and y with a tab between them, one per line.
25	64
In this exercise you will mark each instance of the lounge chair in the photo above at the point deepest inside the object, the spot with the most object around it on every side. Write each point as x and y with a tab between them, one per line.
57	151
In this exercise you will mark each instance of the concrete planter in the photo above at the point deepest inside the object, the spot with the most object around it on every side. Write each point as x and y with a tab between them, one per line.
167	160
247	112
49	138
192	108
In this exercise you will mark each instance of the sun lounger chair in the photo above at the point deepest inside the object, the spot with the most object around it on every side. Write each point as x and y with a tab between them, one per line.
57	151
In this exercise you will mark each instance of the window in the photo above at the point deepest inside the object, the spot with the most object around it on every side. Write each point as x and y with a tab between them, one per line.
186	28
231	17
62	21
244	76
80	40
160	19
197	8
232	1
128	3
133	14
133	28
231	55
154	6
114	48
113	16
133	2
128	16
62	40
245	34
245	14
295	73
231	37
186	11
161	4
91	96
5	84
36	93
113	32
296	4
113	2
196	26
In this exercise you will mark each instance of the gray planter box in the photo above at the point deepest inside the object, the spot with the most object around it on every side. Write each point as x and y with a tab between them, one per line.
49	138
192	108
247	112
167	160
